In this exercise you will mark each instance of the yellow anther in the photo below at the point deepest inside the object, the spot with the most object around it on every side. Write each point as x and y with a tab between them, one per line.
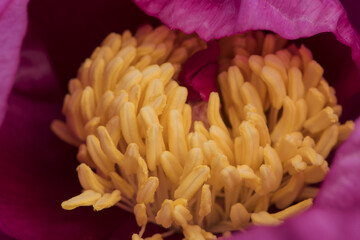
195	158
239	216
205	201
193	182
301	112
140	214
293	210
241	61
114	129
213	112
305	54
261	89
268	178
287	121
63	132
286	195
129	127
120	184
315	101
74	84
88	105
275	86
84	157
264	218
142	172
96	72
272	159
195	232
200	128
187	121
130	158
224	141
218	163
176	136
179	55
260	125
167	71
130	79
250	96
250	142
327	141
315	174
269	44
113	40
109	147
321	120
164	215
210	150
90	181
196	140
295	165
98	156
154	146
308	192
135	95
310	156
256	63
312	74
92	125
147	190
345	130
234	81
86	198
84	72
295	86
128	54
181	215
112	73
73	115
171	167
285	57
107	200
275	62
104	104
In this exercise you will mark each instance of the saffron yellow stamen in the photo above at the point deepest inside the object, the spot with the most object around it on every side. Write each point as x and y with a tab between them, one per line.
262	143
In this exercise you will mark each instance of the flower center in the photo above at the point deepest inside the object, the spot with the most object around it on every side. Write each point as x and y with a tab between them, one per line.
140	150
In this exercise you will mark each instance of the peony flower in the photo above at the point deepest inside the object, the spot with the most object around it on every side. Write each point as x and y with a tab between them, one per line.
37	171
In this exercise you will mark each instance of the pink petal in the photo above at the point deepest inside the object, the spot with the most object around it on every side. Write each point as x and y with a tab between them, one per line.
13	21
289	18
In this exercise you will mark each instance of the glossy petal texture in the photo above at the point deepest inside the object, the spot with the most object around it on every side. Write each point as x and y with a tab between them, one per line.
198	73
289	18
13	21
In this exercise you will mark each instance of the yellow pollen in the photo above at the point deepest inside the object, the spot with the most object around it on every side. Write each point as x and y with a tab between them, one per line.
262	143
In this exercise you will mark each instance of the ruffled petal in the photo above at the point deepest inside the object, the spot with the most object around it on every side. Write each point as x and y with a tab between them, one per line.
13	21
289	18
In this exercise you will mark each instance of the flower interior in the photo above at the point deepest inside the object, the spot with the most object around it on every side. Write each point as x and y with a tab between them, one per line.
252	160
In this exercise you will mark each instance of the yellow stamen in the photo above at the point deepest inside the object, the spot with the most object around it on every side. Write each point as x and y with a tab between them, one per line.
261	144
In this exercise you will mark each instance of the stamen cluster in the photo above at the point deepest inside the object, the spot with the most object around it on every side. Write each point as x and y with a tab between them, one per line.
139	149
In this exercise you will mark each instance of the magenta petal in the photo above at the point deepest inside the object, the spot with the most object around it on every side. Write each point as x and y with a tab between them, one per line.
198	73
13	21
291	18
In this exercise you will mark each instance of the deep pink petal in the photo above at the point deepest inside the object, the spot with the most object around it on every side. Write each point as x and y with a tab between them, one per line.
198	73
13	21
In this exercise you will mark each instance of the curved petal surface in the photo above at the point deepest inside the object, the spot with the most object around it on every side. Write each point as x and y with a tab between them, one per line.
13	21
290	19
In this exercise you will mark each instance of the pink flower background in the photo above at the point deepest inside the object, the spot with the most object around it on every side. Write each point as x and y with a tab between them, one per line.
44	42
